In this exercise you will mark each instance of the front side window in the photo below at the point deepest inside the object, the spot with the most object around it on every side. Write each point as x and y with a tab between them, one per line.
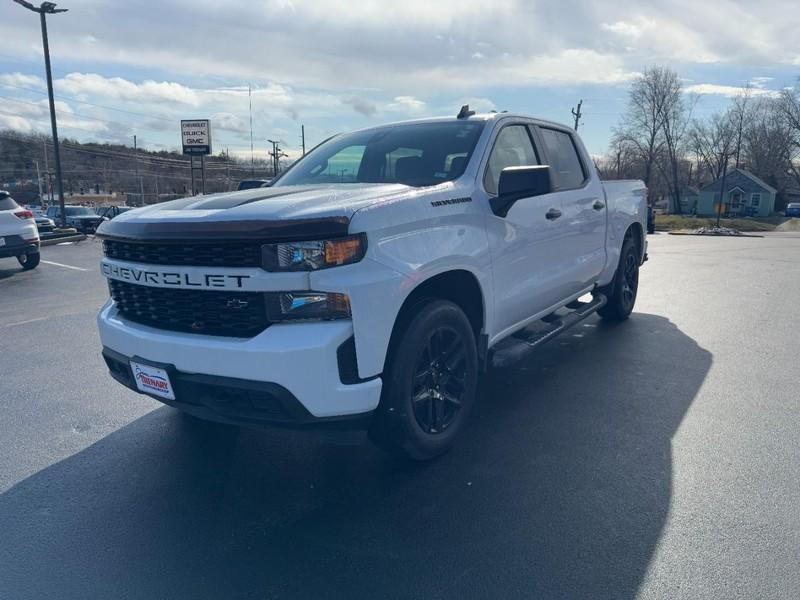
565	165
512	148
755	200
417	154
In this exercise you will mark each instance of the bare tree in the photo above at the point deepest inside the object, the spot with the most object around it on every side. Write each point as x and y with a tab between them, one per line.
789	104
714	142
738	115
642	124
770	143
674	128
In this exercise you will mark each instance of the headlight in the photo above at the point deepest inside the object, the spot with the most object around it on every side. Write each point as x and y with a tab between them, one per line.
311	256
293	306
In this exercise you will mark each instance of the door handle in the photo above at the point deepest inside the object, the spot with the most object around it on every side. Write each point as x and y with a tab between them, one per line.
598	205
552	214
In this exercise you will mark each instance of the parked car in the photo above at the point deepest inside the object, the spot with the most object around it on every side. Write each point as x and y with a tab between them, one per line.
43	224
247	184
82	218
792	209
18	234
109	212
374	280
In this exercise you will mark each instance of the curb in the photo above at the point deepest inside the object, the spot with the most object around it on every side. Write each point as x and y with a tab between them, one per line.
58	240
741	235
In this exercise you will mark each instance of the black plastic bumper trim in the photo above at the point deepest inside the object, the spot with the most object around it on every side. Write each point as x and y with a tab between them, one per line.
205	396
16	245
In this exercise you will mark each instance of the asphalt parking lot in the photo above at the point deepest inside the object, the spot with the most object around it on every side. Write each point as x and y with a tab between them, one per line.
659	458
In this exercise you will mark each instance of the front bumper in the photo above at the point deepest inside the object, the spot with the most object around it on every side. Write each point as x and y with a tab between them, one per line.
290	373
86	225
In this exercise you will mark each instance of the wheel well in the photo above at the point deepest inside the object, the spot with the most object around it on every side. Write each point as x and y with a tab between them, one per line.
459	287
635	232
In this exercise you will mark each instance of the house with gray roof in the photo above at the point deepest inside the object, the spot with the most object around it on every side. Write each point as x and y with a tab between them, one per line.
745	196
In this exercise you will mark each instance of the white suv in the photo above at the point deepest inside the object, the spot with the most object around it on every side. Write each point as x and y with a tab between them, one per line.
18	234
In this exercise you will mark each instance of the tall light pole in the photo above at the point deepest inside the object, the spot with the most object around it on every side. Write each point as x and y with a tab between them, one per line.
43	9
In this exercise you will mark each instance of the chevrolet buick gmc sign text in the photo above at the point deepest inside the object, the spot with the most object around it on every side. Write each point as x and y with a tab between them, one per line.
196	136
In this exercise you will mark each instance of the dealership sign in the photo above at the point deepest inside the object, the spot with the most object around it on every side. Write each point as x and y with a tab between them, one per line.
196	136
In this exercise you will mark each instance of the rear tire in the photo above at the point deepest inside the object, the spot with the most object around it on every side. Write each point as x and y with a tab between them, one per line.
429	384
622	291
29	261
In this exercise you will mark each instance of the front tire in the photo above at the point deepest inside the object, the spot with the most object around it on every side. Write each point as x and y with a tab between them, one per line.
429	384
621	293
29	261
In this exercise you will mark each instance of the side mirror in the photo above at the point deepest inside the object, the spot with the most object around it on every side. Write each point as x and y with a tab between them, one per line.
520	182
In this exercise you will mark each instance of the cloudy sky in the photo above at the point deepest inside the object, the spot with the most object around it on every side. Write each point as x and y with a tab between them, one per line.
138	67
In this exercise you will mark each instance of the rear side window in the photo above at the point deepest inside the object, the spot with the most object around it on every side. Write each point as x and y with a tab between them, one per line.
7	203
565	164
512	148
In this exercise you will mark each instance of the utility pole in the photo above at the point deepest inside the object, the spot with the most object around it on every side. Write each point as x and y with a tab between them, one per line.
252	155
722	189
577	114
44	9
156	188
136	162
303	137
276	155
38	180
227	169
48	174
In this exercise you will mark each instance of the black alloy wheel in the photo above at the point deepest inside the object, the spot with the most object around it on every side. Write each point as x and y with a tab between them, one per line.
630	281
439	380
430	381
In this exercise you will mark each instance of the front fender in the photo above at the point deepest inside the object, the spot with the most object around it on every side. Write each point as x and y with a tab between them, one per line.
394	267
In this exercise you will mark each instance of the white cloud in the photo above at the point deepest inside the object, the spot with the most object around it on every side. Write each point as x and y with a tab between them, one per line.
407	104
117	88
16	123
21	80
731	91
761	82
628	29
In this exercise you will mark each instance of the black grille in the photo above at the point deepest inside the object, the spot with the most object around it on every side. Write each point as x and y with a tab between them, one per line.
234	314
201	254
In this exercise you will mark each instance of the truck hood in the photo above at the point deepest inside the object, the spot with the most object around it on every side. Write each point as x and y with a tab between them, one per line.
289	212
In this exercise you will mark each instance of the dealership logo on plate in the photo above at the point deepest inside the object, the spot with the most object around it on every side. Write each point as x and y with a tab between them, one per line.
152	382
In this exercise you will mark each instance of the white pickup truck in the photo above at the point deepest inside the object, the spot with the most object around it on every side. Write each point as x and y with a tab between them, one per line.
370	284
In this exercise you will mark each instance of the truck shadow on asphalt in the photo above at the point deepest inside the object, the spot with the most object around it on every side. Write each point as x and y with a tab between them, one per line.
560	488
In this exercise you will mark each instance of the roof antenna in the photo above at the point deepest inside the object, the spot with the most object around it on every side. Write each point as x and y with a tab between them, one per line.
465	112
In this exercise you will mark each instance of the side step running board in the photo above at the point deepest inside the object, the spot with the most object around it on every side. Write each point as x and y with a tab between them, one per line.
518	346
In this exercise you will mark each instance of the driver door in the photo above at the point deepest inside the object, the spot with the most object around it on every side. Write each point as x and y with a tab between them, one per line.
528	266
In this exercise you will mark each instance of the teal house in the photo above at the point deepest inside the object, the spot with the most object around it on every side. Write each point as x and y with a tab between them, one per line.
745	196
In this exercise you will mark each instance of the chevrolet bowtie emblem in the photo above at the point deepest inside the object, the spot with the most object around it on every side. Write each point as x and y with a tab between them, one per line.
236	303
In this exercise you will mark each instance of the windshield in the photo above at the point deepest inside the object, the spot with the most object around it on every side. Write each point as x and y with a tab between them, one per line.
417	154
77	211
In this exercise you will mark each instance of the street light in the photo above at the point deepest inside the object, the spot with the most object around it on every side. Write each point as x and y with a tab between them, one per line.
44	9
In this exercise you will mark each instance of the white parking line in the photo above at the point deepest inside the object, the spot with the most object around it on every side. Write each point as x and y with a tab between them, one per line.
23	322
50	262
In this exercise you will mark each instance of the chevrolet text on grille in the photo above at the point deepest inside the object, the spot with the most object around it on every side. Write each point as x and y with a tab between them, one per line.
172	278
